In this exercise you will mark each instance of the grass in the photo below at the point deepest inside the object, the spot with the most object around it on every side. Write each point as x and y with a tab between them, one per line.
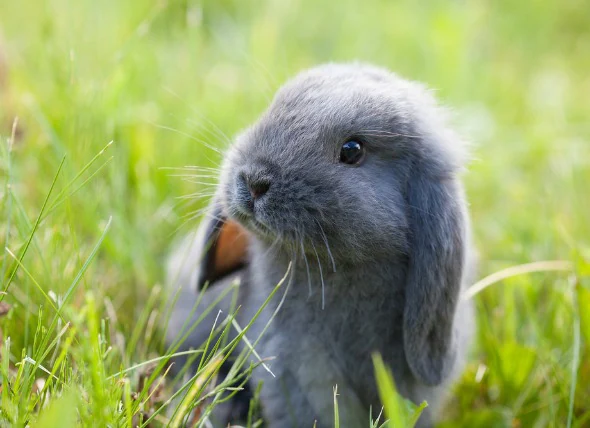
86	223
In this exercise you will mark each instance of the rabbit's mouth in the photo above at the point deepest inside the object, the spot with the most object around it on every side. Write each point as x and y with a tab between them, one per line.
271	223
249	221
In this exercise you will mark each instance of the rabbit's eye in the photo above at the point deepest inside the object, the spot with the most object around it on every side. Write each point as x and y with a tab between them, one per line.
352	152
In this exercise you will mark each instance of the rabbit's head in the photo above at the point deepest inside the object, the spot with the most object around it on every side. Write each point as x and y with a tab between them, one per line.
355	159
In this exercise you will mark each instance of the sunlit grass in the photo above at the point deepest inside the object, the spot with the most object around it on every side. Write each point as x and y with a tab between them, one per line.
86	223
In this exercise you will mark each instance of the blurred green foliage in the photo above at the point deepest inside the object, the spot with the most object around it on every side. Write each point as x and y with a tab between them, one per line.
161	77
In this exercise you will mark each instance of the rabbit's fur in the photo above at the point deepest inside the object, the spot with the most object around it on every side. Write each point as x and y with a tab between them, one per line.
380	251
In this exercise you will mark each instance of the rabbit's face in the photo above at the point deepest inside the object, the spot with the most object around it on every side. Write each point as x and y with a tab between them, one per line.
326	165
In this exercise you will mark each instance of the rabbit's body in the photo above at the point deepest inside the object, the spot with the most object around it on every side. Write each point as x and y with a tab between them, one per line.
379	248
317	348
322	348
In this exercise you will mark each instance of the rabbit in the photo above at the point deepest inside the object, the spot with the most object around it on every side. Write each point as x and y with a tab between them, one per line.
348	187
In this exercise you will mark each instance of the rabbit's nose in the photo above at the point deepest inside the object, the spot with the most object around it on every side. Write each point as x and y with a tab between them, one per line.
253	186
258	187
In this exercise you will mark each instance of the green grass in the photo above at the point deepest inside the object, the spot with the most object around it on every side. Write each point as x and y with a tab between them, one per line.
85	240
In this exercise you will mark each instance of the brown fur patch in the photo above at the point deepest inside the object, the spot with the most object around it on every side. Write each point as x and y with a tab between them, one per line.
230	248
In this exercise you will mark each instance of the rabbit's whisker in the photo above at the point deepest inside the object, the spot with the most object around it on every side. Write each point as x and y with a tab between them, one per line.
293	263
192	137
213	176
206	214
196	195
198	211
325	238
321	274
210	134
188	219
199	168
306	267
271	247
190	168
192	216
212	129
201	116
202	183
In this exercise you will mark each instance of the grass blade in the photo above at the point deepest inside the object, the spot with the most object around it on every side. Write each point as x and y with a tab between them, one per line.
35	227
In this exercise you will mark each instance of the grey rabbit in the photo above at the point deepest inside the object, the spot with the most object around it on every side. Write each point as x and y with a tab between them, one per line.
350	176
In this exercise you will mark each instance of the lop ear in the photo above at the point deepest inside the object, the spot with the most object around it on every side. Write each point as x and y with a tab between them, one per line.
437	256
222	245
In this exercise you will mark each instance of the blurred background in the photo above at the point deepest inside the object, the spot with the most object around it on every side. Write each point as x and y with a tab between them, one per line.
165	80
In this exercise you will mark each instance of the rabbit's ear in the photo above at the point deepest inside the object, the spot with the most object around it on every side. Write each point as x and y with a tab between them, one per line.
436	210
222	245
